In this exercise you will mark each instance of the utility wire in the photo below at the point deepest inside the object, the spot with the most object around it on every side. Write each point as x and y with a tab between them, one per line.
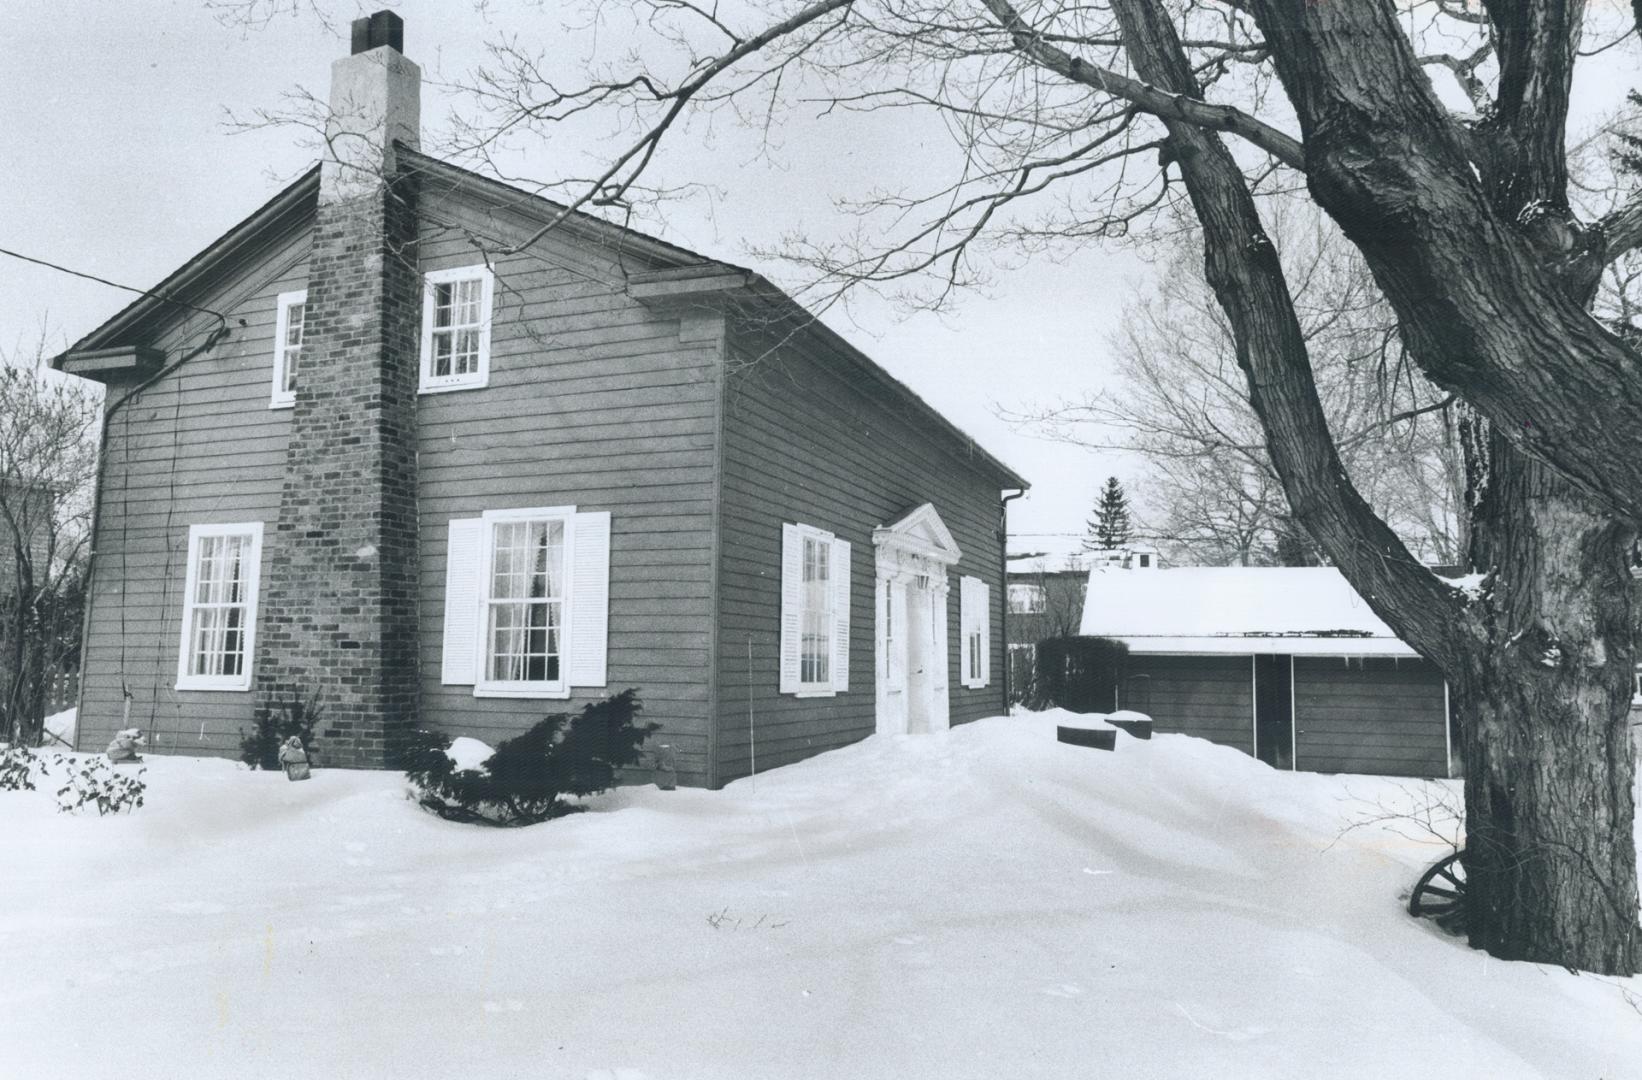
219	316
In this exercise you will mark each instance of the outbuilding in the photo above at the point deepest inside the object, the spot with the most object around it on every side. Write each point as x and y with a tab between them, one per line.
1288	664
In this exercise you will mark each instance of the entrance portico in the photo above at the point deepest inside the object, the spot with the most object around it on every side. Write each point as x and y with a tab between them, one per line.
910	588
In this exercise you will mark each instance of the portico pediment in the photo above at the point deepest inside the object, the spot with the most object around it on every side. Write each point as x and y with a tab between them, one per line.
919	532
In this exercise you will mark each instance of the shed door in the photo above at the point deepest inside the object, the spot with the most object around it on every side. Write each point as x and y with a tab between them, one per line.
1381	716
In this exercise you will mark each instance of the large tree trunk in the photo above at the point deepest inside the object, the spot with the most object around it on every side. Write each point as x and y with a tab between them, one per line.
1543	661
1545	701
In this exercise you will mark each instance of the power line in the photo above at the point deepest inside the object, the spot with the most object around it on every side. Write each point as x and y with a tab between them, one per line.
115	284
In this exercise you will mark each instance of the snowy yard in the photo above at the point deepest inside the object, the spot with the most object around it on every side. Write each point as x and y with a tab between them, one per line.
986	903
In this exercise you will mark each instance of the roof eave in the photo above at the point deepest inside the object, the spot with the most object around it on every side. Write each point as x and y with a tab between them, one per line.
292	200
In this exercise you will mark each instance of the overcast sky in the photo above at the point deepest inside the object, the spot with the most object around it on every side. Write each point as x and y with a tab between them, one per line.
120	162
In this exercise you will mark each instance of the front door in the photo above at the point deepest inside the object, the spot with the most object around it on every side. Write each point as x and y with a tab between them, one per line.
913	555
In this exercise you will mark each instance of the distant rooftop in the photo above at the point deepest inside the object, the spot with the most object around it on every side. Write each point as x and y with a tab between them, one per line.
1304	610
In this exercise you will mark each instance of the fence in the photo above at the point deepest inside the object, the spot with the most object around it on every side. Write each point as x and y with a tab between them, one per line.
62	691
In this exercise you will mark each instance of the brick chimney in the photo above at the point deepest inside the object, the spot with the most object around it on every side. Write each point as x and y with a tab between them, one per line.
338	613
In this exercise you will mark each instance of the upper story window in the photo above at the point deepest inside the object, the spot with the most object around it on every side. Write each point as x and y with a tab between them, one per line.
293	306
456	308
815	601
219	613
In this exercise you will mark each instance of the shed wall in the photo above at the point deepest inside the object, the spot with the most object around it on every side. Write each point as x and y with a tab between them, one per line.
1210	697
1373	715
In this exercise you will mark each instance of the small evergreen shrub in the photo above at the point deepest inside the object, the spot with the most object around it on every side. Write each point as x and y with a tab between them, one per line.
92	781
299	717
1081	674
526	780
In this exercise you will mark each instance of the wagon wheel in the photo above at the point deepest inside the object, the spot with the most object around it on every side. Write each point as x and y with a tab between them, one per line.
1440	893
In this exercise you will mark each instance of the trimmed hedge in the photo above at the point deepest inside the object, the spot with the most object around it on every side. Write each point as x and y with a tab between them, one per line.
1081	674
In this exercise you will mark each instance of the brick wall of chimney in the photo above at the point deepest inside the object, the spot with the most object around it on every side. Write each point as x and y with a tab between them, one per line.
338	612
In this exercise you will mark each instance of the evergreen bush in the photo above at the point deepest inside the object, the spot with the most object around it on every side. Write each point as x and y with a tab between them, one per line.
526	780
299	717
1081	674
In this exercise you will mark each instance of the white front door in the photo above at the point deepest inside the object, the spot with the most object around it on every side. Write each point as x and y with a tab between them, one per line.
912	655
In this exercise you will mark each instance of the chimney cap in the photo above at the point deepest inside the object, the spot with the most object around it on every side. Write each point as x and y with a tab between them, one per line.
374	31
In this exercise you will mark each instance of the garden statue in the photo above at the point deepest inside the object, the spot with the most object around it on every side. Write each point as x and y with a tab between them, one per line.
295	759
123	748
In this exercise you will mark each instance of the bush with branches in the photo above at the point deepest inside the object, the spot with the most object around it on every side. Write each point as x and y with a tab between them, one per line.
528	778
298	716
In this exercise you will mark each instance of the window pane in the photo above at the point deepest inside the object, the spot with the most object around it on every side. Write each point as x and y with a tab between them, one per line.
441	353
815	621
526	593
443	304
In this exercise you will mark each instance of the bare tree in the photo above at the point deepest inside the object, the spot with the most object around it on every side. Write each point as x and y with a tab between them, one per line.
1075	122
1212	494
48	450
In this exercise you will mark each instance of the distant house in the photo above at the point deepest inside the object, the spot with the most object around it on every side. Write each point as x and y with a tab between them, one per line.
1285	663
25	512
439	464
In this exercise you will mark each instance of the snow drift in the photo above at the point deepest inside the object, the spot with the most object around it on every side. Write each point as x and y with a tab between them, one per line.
983	903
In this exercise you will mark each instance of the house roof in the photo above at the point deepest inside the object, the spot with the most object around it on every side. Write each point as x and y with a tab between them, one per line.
666	260
1302	610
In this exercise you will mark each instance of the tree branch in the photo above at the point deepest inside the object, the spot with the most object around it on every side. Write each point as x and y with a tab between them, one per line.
1622	228
1182	107
1243	268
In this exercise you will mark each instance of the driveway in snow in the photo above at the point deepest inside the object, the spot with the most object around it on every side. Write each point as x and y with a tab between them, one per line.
984	903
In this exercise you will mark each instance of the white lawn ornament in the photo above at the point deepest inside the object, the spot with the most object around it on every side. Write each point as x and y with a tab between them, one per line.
123	748
295	759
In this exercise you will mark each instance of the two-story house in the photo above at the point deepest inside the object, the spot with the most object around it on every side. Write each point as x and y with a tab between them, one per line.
413	447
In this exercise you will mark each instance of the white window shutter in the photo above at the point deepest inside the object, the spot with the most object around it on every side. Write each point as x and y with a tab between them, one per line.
460	663
792	600
966	625
841	614
983	614
589	599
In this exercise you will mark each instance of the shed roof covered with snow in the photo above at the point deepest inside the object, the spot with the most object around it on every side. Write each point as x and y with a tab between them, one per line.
1297	610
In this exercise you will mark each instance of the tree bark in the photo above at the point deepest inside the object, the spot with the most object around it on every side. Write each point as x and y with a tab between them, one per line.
1544	700
1483	308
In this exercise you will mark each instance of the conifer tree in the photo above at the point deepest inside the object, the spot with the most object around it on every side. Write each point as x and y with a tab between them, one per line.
1109	529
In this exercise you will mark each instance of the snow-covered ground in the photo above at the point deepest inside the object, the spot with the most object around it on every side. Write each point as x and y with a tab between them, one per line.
986	903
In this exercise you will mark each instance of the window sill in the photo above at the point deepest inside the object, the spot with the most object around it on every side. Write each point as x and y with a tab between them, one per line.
447	387
283	403
523	693
815	693
235	686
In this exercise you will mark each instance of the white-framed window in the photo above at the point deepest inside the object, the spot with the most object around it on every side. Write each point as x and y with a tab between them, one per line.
975	606
1027	599
456	308
527	601
293	306
815	611
219	610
